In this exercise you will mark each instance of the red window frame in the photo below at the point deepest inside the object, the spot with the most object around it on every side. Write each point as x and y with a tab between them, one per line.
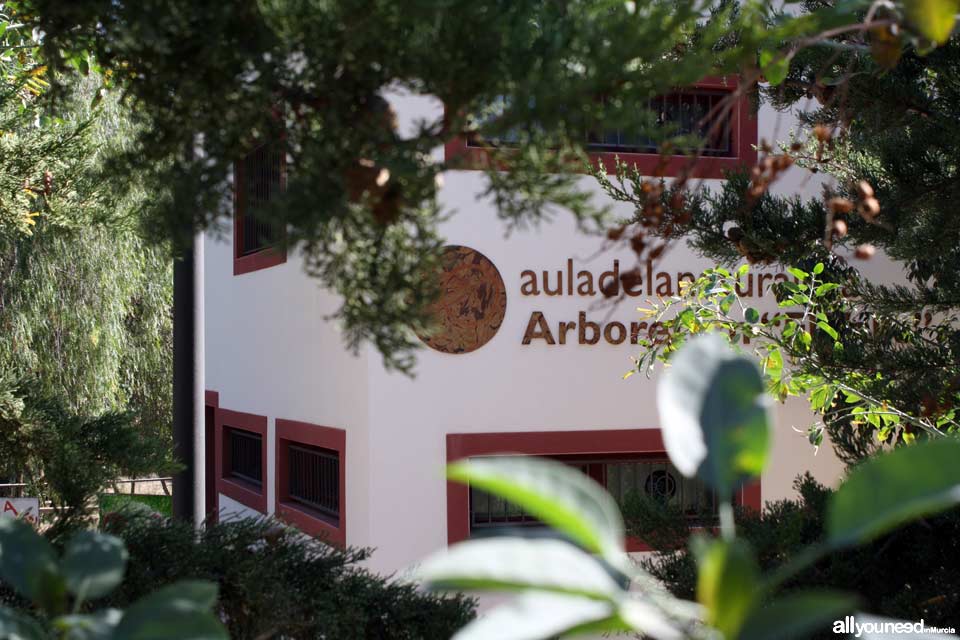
243	492
743	130
614	443
211	497
302	517
266	257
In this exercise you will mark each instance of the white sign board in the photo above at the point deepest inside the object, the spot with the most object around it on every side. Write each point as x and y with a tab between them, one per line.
24	508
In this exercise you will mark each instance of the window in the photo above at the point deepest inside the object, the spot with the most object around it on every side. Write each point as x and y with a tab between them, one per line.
311	478
624	461
241	457
259	179
652	477
314	479
693	112
246	451
730	135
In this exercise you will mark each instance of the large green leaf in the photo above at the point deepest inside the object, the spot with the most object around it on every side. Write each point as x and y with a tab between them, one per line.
180	611
797	615
889	490
933	18
27	561
556	494
504	563
713	414
19	626
93	564
727	582
539	616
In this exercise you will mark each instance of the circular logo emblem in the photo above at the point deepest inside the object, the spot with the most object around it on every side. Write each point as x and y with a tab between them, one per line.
472	302
660	485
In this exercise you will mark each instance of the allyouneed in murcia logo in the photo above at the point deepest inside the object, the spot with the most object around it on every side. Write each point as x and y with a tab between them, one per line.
877	626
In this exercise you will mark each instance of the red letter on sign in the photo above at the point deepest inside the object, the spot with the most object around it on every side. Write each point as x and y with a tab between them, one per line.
9	507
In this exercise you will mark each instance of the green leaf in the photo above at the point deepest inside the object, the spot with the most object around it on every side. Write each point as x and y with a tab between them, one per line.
775	66
826	287
93	564
892	489
826	328
507	564
556	494
751	315
15	625
818	268
933	18
727	302
799	274
95	626
535	616
797	615
713	414
178	611
27	561
727	579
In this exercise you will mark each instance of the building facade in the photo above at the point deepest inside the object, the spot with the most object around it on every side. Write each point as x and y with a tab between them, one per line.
339	447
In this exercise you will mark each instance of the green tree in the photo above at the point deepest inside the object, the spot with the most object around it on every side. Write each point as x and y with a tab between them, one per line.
84	300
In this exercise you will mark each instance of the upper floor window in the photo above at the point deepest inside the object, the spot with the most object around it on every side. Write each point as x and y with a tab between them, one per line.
259	178
719	123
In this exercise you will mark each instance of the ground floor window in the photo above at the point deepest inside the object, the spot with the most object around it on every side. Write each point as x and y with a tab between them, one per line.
652	477
311	478
629	463
244	460
241	457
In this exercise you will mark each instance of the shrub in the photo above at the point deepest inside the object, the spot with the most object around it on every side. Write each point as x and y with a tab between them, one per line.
67	458
275	582
909	574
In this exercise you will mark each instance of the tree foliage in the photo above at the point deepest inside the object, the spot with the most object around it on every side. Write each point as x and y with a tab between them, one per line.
209	80
84	300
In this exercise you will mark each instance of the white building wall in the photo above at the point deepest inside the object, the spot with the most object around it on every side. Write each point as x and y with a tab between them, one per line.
271	352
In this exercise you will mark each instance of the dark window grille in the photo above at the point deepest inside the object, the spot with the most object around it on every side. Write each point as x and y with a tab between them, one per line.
262	180
660	481
246	456
655	479
314	479
687	113
693	112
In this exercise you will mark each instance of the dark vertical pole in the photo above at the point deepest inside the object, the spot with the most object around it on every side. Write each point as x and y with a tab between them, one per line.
188	383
